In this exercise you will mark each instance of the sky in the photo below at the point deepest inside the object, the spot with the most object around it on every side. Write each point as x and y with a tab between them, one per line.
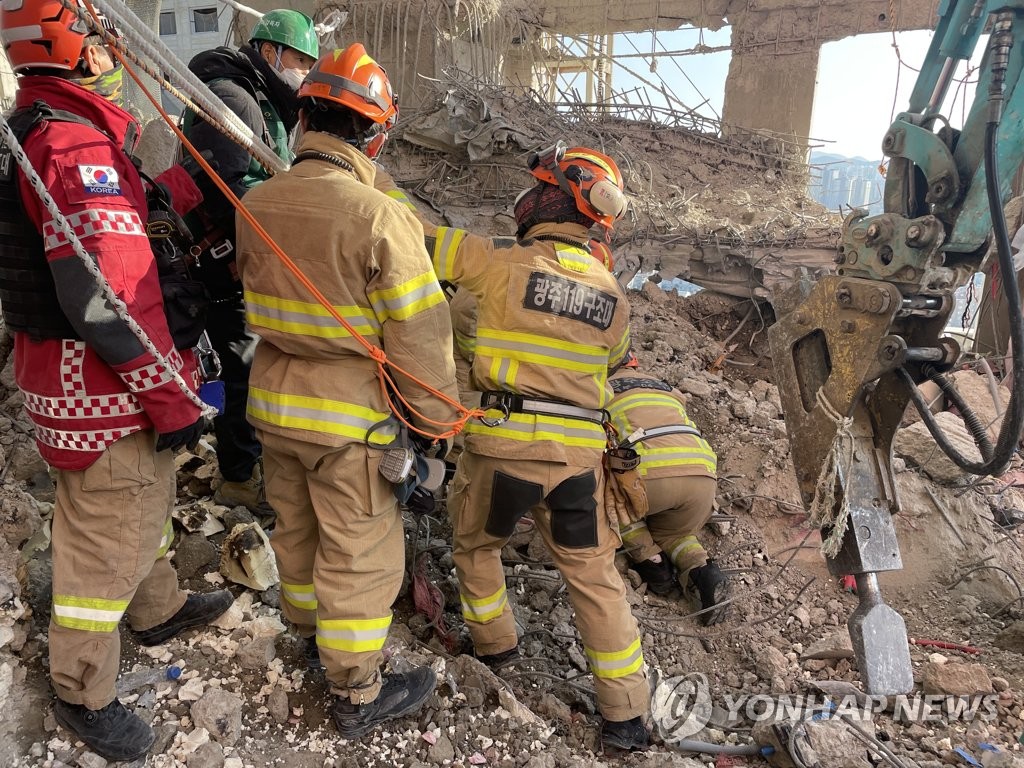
856	86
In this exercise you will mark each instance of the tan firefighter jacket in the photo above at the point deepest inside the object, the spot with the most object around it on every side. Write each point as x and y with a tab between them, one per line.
551	321
310	379
644	401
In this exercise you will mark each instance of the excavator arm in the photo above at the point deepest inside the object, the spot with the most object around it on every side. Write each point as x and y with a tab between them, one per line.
850	349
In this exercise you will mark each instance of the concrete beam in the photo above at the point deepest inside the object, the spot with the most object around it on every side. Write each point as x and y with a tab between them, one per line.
770	92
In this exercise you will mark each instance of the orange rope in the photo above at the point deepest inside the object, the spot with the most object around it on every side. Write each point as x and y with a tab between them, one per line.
376	353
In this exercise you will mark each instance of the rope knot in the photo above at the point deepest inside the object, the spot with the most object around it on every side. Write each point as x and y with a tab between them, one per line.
824	512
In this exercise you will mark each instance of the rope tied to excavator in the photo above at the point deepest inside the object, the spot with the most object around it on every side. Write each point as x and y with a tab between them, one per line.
825	511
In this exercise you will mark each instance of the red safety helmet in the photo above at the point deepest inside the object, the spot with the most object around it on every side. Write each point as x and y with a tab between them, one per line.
600	251
591	178
44	34
351	78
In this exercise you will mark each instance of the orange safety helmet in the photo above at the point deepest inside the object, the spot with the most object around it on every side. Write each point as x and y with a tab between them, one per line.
591	178
631	361
351	78
600	251
43	33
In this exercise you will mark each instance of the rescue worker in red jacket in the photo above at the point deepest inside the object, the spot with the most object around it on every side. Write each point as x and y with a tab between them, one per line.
314	394
551	324
107	413
678	469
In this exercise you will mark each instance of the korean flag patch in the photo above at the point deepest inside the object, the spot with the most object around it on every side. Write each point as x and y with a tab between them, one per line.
99	179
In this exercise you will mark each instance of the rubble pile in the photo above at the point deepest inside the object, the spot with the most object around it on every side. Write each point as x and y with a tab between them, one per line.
729	212
239	693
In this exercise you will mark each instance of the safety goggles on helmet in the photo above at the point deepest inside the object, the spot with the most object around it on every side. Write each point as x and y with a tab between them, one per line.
45	34
590	177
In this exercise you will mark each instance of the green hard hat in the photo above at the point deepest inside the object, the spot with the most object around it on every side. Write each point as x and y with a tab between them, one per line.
290	28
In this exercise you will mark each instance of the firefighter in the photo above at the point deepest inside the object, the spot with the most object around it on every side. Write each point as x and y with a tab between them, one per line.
107	414
258	82
314	395
678	470
551	324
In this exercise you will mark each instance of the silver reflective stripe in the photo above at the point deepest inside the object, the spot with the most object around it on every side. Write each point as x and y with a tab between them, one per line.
483	339
356	635
562	409
649	434
316	414
398	303
529	428
308	318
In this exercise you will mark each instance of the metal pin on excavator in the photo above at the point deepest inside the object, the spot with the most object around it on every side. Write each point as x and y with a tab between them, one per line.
850	348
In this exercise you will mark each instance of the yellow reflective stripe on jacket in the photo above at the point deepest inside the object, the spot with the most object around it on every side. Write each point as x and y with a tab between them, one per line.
700	454
410	298
300	595
166	537
527	427
541	350
334	417
484	608
466	344
620	350
91	614
306	318
353	635
613	664
574	257
400	196
621	405
446	245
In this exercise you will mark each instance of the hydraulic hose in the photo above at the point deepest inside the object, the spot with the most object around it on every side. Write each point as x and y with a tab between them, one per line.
693	745
1000	42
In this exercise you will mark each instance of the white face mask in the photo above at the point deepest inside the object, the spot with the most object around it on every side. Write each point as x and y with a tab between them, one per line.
291	77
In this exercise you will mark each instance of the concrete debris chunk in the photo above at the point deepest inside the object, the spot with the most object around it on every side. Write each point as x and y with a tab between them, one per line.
256	653
954	679
246	558
835	646
915	444
220	713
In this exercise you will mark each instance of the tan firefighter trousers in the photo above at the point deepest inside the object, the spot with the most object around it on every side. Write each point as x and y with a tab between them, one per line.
489	496
111	533
340	552
679	508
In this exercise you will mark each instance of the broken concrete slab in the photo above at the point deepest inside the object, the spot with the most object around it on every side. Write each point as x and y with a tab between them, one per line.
954	679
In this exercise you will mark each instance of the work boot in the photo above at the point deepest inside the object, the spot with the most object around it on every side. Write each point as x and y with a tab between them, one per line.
401	694
251	494
627	735
659	577
312	653
112	732
198	609
497	660
712	587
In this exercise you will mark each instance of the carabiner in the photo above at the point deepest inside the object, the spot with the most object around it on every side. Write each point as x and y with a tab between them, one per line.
505	413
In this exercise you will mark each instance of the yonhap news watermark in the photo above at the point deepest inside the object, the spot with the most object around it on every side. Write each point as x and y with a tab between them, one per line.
682	706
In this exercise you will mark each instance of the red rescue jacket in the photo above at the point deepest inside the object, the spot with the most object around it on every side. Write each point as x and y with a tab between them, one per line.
84	394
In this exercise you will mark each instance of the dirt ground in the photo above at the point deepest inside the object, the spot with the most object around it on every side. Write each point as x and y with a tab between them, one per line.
540	712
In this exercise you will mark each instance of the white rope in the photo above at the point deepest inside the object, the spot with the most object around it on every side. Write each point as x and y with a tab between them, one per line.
823	510
108	293
148	43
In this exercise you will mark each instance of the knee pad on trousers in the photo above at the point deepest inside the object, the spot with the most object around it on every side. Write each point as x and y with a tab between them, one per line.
510	500
574	512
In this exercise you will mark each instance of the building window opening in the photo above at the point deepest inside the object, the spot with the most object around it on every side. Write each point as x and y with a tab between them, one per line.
168	24
204	20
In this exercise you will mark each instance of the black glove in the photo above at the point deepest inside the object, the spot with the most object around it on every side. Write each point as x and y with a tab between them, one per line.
187	437
421	502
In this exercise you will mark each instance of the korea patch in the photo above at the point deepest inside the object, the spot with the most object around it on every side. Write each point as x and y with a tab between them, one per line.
566	298
99	179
